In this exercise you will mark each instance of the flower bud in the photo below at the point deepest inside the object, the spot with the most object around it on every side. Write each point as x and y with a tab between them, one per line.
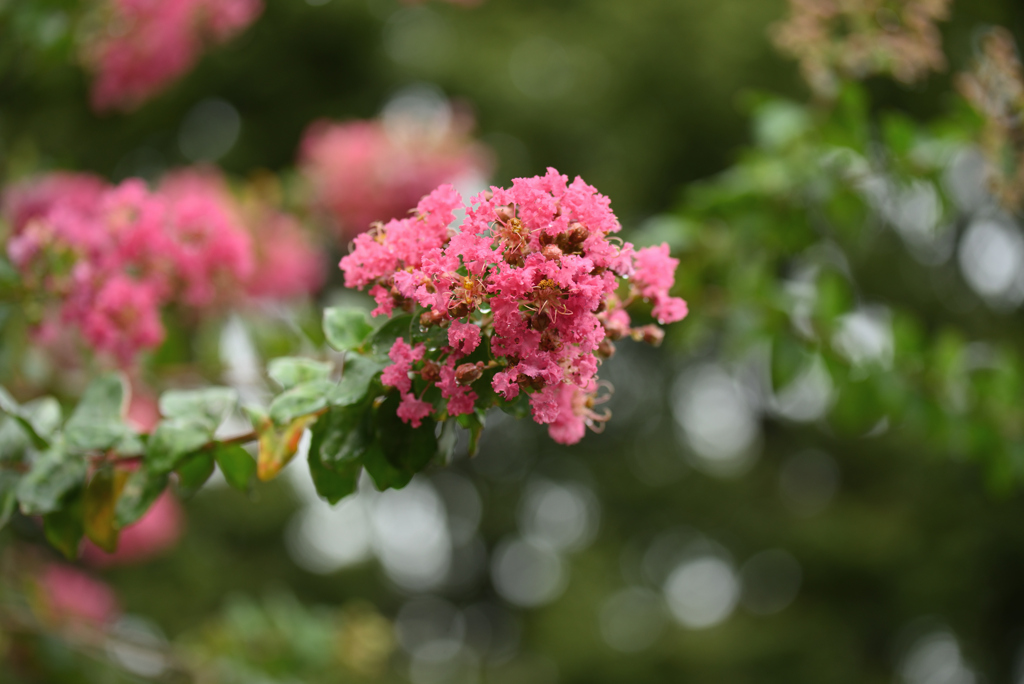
651	334
578	233
429	318
468	373
505	214
606	349
551	252
430	372
540	321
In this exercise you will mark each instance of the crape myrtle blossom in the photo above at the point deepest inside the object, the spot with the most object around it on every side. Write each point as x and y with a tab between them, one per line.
529	293
107	259
365	171
140	46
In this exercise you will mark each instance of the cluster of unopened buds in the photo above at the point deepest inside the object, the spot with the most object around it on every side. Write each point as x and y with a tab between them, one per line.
860	38
995	88
106	259
524	298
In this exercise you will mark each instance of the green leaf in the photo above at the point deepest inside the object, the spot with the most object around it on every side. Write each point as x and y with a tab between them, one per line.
301	400
64	529
383	474
142	488
99	504
359	373
44	414
36	418
53	474
336	482
207	407
384	338
8	495
346	328
447	441
194	471
399	450
14	441
474	422
172	440
96	422
289	371
344	435
238	466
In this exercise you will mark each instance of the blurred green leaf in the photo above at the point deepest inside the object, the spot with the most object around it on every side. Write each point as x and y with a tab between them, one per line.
346	328
301	400
356	378
38	419
96	424
194	471
207	407
8	495
290	371
63	529
141	489
236	464
173	439
53	474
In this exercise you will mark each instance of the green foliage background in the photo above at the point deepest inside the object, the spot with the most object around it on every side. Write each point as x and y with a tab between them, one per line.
660	93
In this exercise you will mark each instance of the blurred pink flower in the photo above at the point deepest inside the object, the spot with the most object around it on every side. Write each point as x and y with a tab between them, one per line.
288	262
71	596
365	171
143	45
155	532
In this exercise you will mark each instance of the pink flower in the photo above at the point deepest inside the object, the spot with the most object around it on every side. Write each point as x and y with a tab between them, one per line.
33	199
413	410
464	338
109	259
71	596
364	171
157	531
123	318
402	356
145	44
532	268
287	263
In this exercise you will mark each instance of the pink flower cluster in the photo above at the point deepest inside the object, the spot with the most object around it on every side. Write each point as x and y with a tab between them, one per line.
535	273
143	45
364	171
111	257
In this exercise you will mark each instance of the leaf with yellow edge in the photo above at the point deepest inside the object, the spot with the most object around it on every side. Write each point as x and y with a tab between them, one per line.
277	446
99	506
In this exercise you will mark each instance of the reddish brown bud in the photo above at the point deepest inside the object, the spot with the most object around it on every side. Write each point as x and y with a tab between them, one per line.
430	372
429	318
468	373
551	251
524	380
606	349
547	239
578	233
505	214
460	310
601	307
540	321
651	334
